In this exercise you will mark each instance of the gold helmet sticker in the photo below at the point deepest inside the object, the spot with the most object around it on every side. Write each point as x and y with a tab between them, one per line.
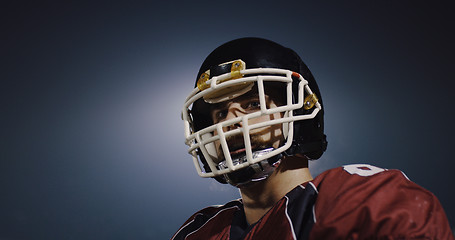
228	92
310	101
202	81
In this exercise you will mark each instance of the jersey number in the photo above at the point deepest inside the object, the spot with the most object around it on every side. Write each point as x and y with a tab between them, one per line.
363	170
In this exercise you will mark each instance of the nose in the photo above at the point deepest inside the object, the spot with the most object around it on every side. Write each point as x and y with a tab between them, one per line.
234	110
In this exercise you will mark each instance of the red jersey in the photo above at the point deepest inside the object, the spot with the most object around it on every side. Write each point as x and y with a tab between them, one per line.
352	202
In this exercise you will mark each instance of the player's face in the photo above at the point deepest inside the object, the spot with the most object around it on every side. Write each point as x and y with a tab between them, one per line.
261	138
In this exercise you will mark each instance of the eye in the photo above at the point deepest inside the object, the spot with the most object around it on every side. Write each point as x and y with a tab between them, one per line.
219	115
253	105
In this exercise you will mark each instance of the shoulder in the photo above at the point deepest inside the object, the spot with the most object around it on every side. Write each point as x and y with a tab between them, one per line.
373	201
218	215
363	183
363	178
358	172
360	182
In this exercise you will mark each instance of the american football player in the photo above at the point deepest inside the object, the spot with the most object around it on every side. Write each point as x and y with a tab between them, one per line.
254	120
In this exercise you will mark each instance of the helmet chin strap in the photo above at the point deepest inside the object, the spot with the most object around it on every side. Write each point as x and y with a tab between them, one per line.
254	173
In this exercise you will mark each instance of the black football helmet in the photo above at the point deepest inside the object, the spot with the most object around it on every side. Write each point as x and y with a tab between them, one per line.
267	68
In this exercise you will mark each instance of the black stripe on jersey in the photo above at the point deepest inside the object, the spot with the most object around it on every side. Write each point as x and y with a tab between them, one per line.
239	227
300	210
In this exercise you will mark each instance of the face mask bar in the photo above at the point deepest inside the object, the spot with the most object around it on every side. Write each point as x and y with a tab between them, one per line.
204	140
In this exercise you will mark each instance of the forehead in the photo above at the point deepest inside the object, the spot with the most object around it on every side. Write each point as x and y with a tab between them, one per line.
272	93
251	95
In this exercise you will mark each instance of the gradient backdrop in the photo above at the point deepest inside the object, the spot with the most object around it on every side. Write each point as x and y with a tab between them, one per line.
91	138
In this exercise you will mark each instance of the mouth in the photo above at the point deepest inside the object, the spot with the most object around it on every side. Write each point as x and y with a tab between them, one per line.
238	152
239	156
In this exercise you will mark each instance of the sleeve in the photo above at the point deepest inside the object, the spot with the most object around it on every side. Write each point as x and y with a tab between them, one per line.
366	202
209	223
187	227
194	222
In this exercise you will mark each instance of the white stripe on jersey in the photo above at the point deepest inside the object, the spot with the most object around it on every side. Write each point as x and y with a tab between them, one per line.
289	219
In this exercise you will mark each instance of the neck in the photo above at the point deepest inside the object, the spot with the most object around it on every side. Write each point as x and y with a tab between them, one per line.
261	196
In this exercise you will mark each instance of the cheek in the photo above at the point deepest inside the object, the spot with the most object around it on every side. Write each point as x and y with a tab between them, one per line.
264	119
260	119
267	132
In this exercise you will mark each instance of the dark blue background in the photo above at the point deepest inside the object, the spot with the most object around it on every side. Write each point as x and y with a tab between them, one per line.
91	138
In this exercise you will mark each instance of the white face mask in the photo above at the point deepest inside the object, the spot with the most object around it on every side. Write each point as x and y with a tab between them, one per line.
213	141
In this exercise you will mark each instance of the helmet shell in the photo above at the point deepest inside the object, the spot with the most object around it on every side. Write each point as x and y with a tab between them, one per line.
309	138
